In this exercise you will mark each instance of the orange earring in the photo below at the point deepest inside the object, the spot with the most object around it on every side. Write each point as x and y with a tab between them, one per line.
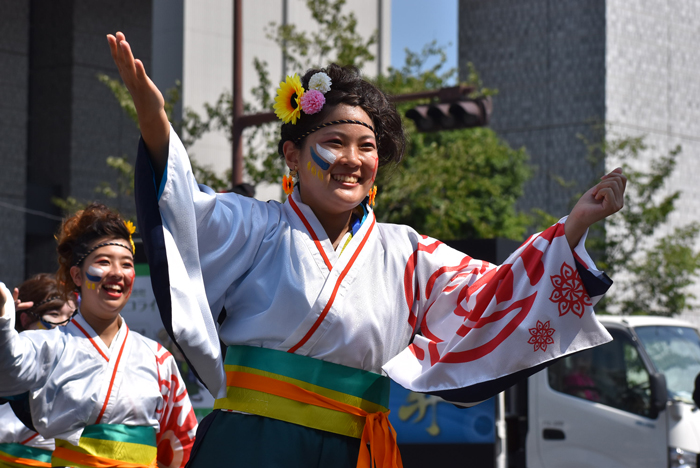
372	194
288	182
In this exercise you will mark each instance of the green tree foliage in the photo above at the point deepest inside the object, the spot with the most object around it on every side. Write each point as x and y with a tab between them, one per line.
451	184
652	270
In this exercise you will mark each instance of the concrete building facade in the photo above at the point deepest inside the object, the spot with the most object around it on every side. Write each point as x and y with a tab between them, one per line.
59	123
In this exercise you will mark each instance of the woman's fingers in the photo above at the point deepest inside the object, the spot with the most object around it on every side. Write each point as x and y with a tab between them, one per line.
127	58
123	58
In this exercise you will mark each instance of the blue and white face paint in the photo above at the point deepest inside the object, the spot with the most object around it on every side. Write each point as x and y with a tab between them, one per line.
93	275
322	158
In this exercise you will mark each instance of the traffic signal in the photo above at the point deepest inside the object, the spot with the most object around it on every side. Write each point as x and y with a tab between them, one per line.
453	112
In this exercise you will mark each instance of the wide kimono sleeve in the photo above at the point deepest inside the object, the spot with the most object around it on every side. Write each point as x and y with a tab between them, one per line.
197	244
178	423
26	360
484	327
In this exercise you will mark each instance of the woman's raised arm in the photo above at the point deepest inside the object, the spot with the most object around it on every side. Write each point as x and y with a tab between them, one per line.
148	100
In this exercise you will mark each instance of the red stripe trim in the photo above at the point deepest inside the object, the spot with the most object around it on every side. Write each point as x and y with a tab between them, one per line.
29	438
311	231
578	259
91	340
114	374
335	290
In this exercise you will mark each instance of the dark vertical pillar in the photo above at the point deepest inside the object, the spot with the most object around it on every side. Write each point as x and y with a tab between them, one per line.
75	122
14	67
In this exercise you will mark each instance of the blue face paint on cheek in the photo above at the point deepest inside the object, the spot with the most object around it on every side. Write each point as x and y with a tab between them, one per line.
93	275
320	162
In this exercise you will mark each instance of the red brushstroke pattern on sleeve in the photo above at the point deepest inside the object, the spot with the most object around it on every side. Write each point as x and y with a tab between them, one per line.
178	422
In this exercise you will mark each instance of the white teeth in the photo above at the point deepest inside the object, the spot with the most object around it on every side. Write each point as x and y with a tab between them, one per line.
113	287
344	178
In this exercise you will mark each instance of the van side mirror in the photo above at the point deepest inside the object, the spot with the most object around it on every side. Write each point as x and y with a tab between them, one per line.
659	393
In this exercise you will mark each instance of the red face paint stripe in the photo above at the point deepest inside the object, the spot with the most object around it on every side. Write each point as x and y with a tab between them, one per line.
114	374
335	290
311	231
91	340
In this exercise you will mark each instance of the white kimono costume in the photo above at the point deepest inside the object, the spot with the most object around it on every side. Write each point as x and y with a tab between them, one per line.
74	380
434	319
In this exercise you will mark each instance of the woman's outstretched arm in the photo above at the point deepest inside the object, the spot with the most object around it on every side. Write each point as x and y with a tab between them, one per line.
148	100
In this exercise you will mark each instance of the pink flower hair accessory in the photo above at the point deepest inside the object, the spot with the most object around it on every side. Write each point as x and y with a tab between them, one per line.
312	101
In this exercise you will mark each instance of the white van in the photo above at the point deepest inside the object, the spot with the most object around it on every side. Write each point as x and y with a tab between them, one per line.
624	404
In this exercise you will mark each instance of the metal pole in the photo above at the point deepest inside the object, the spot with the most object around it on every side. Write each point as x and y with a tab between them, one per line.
237	104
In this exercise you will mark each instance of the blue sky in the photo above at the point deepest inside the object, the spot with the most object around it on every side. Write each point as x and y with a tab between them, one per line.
415	23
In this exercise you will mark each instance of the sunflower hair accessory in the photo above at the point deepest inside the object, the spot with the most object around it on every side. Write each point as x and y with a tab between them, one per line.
132	229
292	98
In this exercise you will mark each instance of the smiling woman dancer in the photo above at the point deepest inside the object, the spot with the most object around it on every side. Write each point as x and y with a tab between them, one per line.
318	303
109	396
38	306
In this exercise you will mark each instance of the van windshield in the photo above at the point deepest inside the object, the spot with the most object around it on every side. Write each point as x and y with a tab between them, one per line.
675	352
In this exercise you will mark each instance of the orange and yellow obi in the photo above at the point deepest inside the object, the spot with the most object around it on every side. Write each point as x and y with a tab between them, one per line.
316	394
109	445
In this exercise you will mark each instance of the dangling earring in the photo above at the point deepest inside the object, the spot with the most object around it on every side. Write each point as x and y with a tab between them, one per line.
372	194
288	181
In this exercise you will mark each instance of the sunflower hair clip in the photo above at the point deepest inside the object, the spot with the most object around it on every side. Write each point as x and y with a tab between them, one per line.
132	229
292	98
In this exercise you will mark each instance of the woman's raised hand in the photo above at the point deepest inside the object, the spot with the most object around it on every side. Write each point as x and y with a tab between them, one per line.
599	202
148	99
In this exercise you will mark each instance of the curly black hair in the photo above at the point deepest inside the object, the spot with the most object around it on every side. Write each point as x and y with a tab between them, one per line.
349	88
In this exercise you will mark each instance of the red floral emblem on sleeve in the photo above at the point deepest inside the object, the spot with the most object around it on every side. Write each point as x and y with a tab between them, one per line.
569	293
541	336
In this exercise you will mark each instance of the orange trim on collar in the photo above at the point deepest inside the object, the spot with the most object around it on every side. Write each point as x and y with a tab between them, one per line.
91	340
311	231
335	290
114	374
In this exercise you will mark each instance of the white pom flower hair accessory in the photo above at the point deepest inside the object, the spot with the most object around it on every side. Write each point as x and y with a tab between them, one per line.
320	82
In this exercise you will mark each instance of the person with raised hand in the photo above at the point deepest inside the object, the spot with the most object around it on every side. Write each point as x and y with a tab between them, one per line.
106	394
319	304
38	306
